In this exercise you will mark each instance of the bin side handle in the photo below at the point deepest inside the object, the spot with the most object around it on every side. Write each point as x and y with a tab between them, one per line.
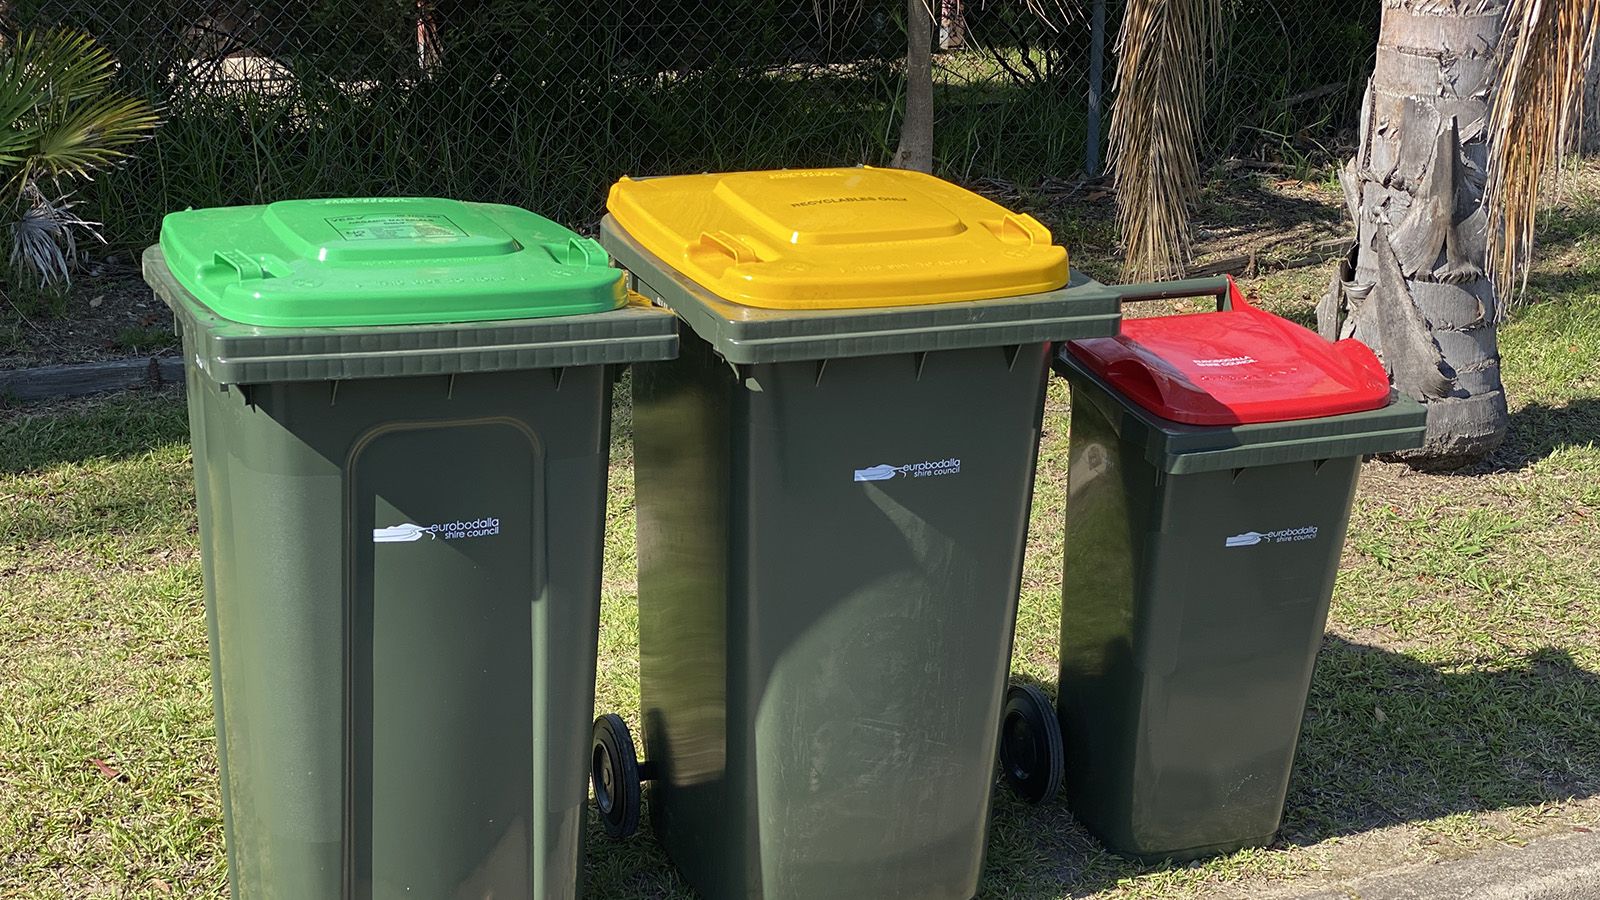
1221	287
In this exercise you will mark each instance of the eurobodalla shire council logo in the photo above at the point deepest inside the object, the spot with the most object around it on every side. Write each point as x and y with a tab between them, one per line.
925	469
406	533
1281	536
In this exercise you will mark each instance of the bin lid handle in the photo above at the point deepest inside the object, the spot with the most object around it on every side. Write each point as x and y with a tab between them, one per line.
248	268
582	251
721	243
1019	228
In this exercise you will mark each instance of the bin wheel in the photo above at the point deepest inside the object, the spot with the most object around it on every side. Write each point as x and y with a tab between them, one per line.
615	776
1031	753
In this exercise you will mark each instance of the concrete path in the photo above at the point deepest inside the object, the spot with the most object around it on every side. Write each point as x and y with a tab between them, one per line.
1558	868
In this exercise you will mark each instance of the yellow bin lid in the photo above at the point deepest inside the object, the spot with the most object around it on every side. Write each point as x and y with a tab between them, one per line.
838	238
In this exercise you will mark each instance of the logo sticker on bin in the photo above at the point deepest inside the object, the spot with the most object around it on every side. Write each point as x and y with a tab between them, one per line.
1224	362
1282	536
924	469
407	532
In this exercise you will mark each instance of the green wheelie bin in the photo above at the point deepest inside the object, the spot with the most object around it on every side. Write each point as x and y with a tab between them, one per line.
1212	466
400	414
833	484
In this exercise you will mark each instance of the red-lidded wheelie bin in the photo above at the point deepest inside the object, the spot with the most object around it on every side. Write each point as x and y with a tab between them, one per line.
1212	467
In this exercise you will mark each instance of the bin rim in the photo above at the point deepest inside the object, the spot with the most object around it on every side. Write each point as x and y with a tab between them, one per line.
1179	449
752	335
229	352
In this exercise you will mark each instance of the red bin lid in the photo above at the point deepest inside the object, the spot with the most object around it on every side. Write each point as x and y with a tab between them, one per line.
1235	367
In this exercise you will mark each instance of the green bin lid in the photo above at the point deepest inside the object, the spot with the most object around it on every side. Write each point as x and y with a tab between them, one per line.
385	261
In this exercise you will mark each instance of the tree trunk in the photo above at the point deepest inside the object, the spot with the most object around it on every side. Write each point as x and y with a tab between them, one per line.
1413	287
916	132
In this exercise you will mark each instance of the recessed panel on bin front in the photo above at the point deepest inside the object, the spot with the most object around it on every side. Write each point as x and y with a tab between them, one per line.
442	700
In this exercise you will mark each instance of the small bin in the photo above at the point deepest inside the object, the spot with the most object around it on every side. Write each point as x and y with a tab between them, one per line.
400	412
1212	465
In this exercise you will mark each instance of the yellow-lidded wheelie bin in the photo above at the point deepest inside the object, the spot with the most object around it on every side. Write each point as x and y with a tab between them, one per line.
833	484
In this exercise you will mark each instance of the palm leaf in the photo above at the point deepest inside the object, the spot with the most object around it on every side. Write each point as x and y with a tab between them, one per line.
74	66
1163	53
1541	60
86	136
60	118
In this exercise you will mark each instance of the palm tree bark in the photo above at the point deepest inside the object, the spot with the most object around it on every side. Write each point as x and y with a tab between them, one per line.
916	132
1414	286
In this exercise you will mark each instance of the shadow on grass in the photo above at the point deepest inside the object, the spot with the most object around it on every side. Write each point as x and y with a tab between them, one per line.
1390	739
109	427
1539	429
1387	739
1546	285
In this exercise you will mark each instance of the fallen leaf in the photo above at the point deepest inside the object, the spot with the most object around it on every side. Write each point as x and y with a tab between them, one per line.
161	886
106	770
1377	713
96	300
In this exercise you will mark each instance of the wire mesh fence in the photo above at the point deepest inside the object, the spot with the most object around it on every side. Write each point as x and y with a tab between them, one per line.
544	103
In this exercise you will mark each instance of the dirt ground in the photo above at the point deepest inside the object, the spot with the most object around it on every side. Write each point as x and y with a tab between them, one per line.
108	313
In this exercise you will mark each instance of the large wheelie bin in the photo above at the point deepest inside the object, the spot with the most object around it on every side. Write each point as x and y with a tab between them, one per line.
400	413
1212	466
833	489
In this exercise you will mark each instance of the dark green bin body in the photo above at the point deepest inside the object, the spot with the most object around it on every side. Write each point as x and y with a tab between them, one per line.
403	719
1185	662
822	660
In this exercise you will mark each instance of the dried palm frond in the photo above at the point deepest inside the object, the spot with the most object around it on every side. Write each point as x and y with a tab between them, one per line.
1057	14
1163	53
1543	54
44	235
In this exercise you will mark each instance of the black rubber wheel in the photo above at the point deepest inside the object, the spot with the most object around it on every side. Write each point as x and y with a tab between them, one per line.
614	775
1031	753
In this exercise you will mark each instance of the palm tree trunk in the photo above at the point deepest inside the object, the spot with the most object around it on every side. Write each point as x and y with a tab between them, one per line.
1414	286
916	132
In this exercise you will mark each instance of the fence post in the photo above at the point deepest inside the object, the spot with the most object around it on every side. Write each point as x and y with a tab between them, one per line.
1097	61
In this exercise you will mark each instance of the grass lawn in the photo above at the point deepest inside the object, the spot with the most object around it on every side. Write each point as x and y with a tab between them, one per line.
1456	702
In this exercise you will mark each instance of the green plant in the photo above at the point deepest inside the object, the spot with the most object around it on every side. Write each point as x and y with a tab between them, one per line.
60	120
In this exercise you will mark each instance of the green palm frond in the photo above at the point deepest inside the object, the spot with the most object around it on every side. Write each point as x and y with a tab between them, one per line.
58	112
60	118
70	62
90	135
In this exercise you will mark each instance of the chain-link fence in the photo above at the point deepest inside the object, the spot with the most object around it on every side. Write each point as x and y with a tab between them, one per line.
544	103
